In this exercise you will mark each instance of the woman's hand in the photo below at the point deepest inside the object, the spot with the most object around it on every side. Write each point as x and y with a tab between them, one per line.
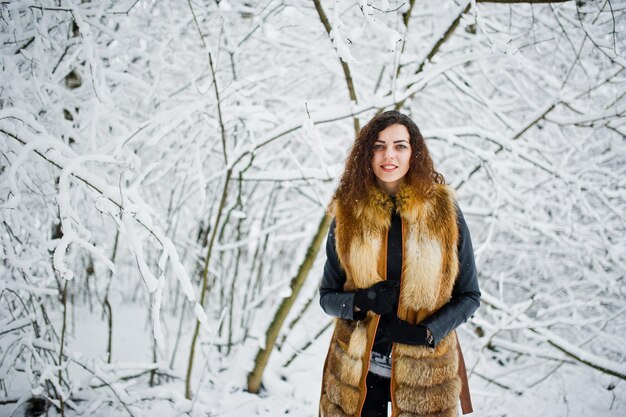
410	334
378	298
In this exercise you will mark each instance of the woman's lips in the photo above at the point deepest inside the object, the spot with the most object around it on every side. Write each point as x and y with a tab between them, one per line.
388	168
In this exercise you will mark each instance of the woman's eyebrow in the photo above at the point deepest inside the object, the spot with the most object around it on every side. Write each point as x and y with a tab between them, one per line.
395	141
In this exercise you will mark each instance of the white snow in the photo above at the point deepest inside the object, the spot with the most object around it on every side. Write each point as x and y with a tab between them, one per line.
115	150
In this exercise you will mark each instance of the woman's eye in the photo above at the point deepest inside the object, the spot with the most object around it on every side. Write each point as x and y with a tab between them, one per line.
401	146
378	147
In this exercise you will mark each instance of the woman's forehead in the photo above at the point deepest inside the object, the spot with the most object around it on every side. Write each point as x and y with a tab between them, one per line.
393	133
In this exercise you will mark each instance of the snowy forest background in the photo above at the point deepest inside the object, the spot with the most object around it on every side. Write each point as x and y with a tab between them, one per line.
166	166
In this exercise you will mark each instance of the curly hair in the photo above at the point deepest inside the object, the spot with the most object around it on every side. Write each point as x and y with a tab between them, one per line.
358	176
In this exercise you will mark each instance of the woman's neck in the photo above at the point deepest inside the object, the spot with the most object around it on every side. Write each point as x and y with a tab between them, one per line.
389	188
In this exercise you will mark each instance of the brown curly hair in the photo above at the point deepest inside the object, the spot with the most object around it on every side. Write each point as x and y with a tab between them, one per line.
358	176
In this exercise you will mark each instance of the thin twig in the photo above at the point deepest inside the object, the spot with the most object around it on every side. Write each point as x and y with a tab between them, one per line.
344	66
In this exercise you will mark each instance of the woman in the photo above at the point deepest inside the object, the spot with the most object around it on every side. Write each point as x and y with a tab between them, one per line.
400	277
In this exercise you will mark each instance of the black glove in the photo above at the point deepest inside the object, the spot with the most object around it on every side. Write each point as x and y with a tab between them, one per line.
378	298
410	334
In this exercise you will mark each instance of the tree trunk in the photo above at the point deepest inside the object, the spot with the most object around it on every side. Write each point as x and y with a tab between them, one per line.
262	357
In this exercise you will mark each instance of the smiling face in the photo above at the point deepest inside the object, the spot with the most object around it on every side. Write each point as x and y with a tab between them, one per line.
392	155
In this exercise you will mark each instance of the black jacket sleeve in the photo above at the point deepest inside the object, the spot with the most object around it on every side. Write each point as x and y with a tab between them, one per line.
333	299
465	293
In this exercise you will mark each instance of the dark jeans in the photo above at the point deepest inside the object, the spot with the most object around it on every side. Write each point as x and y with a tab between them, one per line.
377	397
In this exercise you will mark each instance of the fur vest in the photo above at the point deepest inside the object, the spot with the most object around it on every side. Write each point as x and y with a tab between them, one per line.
424	381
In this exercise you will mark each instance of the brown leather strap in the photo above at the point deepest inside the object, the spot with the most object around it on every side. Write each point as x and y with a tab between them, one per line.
466	400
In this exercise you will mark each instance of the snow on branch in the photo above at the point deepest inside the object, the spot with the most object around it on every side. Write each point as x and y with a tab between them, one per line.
585	357
34	138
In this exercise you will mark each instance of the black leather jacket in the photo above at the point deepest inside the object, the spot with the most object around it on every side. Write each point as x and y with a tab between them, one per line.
465	294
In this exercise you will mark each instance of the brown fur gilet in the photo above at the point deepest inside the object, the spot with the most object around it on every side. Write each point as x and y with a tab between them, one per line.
424	381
